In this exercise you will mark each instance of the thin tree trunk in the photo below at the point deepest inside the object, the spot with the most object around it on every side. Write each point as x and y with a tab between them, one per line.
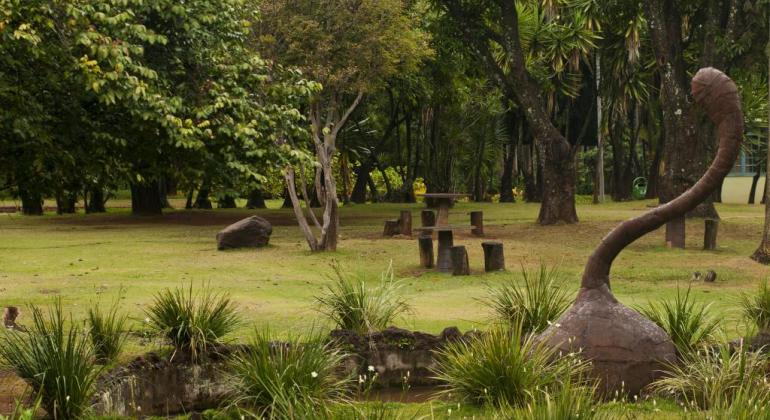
599	176
762	254
753	190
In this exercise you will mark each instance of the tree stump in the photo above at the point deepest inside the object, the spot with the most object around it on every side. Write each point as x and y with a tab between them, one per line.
428	219
710	234
477	221
460	266
405	222
675	231
494	259
445	243
9	316
392	228
426	250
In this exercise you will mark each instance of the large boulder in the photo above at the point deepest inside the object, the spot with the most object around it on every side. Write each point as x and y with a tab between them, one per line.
627	350
248	233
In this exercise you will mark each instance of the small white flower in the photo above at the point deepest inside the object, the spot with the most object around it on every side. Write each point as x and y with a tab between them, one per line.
147	320
314	374
678	112
68	398
371	368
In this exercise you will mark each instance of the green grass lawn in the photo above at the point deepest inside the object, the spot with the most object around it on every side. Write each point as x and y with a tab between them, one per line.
90	259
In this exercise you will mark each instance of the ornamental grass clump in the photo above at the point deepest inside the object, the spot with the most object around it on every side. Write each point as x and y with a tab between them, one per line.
294	379
573	399
351	305
504	368
107	332
756	307
55	358
687	322
715	378
540	299
192	322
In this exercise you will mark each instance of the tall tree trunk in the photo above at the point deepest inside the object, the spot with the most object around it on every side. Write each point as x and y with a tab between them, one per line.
599	175
145	199
203	201
189	202
286	199
358	195
556	154
256	200
96	200
31	202
762	254
684	150
227	202
66	202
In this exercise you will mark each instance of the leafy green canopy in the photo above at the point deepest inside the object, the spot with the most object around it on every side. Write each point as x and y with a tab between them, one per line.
134	89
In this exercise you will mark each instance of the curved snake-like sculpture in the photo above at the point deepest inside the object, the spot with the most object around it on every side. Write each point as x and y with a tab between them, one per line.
627	349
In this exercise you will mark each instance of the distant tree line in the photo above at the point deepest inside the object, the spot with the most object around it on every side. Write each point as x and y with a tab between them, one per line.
326	101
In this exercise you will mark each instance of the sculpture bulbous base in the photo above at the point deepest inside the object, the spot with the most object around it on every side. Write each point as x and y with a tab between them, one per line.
626	349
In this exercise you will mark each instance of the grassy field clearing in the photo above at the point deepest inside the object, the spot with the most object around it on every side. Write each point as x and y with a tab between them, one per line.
88	259
97	258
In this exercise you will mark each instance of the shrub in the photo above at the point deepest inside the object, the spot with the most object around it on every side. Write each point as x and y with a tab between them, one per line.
715	377
539	300
687	322
192	322
108	333
56	360
501	368
573	399
288	380
756	308
353	306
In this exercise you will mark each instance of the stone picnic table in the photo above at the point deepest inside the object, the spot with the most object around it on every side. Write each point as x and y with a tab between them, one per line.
444	202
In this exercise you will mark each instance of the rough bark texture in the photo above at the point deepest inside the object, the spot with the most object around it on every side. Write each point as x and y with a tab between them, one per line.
256	200
227	202
477	221
460	266
96	201
555	152
145	199
625	347
405	222
31	203
494	258
686	146
426	251
710	234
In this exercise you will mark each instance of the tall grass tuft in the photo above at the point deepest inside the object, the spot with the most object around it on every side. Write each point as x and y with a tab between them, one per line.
351	305
288	380
541	298
756	307
573	399
503	368
108	333
192	322
716	378
687	322
56	360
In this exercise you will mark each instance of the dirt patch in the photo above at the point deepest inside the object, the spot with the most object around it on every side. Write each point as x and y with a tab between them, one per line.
14	390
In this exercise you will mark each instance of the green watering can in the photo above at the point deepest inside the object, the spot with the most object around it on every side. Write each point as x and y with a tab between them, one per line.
639	190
